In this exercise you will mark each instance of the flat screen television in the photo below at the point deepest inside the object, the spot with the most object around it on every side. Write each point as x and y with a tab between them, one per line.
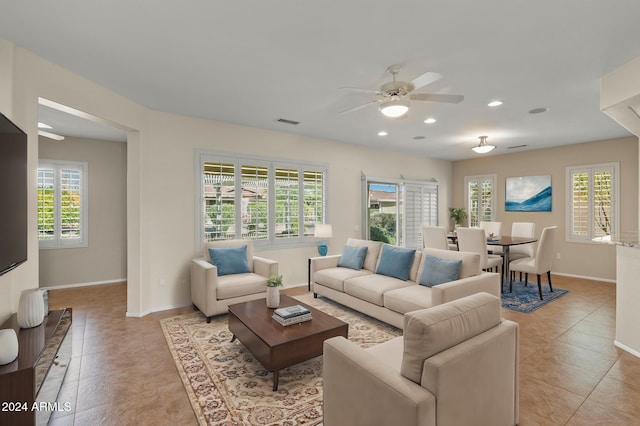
13	195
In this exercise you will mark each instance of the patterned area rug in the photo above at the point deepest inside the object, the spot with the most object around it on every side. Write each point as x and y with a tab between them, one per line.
527	299
227	386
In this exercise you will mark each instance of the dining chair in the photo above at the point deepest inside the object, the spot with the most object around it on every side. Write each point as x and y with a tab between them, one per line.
495	229
538	264
434	237
474	240
525	230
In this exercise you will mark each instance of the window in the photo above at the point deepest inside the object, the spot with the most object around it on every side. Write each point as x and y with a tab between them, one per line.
62	204
270	201
396	210
592	202
480	198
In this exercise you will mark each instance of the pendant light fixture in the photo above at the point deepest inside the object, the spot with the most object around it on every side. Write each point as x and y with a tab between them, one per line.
484	147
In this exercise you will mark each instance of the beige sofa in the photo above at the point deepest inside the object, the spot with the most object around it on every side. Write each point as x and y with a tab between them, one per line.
387	298
212	294
457	364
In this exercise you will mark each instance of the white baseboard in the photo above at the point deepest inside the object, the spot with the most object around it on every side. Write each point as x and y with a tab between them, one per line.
150	311
626	348
51	287
584	277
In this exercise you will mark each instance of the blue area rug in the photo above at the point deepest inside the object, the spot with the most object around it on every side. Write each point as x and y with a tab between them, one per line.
527	299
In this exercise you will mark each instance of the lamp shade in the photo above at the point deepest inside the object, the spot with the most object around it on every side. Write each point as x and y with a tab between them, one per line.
323	230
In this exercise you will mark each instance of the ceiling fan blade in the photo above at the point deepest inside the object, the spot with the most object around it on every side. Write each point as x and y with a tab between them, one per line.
361	90
357	108
435	97
424	79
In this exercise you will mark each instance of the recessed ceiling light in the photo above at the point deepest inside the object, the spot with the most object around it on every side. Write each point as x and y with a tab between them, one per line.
430	120
538	110
418	137
382	133
43	126
495	103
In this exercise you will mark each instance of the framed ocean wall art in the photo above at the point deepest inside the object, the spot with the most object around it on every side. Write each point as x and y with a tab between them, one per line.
528	194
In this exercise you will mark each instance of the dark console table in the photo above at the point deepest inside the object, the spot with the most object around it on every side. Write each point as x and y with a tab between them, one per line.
29	385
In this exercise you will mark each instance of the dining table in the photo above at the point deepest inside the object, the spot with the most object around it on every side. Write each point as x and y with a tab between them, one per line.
506	242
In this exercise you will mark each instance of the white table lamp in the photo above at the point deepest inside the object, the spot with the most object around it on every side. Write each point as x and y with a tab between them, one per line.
323	231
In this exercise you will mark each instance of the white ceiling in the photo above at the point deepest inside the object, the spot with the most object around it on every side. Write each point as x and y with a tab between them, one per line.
252	62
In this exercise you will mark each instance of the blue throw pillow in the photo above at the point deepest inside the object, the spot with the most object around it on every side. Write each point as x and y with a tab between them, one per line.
395	262
439	271
230	260
353	257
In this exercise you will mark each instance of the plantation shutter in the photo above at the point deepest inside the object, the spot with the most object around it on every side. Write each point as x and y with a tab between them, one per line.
420	208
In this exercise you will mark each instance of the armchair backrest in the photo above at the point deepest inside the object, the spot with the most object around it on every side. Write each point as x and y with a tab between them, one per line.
230	243
430	331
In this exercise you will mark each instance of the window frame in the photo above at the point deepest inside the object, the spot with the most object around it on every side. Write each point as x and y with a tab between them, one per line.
57	242
591	238
479	178
404	219
239	160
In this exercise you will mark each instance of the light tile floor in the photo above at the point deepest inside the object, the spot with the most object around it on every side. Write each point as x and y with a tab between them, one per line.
570	371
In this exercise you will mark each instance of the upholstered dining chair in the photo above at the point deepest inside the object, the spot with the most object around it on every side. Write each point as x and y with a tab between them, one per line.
435	237
526	230
474	240
495	229
538	264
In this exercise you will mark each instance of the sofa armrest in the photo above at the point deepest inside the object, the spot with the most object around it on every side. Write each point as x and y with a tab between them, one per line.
359	389
488	282
264	267
324	262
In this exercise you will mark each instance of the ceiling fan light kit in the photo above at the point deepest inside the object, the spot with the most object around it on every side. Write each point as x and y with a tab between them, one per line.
394	108
483	147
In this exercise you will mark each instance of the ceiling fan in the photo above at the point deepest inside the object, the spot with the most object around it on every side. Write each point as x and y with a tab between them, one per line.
394	97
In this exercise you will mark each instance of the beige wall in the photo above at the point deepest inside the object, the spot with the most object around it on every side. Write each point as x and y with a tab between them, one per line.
577	259
161	177
105	259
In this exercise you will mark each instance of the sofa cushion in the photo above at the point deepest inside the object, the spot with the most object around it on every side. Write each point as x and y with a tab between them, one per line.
353	257
395	262
236	285
470	261
408	299
334	277
373	250
431	331
439	271
230	260
371	288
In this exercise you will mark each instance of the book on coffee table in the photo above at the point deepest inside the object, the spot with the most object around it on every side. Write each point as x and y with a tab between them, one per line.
293	320
291	311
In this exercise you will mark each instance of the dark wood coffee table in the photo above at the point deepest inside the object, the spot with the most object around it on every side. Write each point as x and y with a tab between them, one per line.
277	346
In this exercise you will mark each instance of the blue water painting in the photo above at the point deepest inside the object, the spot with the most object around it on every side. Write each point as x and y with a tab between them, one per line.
540	202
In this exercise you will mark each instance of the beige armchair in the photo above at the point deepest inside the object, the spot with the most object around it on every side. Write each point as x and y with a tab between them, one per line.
212	293
457	364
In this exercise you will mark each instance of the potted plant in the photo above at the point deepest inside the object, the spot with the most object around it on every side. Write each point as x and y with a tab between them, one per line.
273	283
458	214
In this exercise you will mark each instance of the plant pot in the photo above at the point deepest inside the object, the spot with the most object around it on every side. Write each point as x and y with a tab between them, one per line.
30	309
273	297
8	346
